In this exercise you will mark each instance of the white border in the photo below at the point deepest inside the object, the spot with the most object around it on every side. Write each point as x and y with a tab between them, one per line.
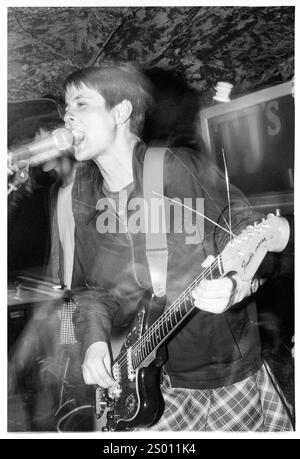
3	334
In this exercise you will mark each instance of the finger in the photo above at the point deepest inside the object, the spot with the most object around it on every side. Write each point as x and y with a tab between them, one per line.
216	284
208	261
90	374
100	374
211	294
216	307
87	376
206	293
94	377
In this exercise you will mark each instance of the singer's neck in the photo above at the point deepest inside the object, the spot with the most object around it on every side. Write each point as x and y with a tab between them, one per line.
116	163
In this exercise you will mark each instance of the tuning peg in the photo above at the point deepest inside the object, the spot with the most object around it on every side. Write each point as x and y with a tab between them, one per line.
257	227
250	230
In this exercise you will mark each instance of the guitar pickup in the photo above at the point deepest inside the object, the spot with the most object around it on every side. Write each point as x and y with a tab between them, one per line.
130	370
101	402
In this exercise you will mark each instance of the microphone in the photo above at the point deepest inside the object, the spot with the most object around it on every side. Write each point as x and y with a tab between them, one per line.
42	150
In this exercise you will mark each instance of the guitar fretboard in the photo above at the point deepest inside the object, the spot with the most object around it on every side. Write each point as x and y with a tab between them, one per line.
165	325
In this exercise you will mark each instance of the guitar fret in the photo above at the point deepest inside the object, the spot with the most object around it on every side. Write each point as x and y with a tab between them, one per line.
167	323
210	272
144	352
151	347
177	314
185	305
147	344
148	349
165	328
153	341
158	333
180	312
141	355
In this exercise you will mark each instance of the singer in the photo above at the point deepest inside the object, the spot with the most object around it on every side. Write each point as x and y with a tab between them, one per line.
213	374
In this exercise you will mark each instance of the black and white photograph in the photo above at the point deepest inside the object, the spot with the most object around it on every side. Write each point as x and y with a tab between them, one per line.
150	220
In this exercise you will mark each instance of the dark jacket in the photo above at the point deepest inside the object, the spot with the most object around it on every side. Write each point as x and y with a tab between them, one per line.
211	350
54	266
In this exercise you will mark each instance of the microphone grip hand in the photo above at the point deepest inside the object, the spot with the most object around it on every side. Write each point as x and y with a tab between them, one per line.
20	177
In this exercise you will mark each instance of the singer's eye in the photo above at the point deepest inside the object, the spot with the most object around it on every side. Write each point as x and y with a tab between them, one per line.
81	104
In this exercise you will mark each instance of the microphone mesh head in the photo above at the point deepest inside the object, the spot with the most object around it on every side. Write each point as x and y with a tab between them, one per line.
63	138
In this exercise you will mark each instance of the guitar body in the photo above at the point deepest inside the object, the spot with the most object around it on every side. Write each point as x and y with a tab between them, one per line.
139	402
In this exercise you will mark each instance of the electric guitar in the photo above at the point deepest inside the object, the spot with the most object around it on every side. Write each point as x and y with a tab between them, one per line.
136	401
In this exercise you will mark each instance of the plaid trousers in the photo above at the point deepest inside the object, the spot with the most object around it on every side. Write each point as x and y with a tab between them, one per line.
253	404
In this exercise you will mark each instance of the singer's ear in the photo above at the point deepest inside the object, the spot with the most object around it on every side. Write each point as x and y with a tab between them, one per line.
122	111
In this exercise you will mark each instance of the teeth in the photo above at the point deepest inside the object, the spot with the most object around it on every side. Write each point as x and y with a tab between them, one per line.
78	137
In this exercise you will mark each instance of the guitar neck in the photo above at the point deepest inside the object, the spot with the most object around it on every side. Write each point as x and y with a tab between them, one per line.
176	313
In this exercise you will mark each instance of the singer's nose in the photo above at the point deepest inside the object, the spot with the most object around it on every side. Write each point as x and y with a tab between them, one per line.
68	119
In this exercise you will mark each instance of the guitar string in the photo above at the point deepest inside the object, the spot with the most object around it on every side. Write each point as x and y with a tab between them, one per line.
137	346
162	319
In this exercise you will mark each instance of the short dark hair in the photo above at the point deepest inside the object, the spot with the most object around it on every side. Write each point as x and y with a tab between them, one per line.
115	84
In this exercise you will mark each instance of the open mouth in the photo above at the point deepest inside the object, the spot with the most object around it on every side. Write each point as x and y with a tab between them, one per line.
78	137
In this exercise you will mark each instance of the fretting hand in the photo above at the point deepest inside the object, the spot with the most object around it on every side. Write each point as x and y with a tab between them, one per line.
217	295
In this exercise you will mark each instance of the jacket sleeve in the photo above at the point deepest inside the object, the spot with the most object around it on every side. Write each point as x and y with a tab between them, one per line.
54	259
95	307
95	312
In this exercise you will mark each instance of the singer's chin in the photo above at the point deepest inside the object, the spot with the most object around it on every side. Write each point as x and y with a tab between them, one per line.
80	153
77	155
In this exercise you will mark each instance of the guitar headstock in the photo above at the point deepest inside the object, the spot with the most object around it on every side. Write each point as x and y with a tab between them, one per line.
246	251
277	231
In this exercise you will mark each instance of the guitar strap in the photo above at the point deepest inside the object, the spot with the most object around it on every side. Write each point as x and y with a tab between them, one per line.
156	238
